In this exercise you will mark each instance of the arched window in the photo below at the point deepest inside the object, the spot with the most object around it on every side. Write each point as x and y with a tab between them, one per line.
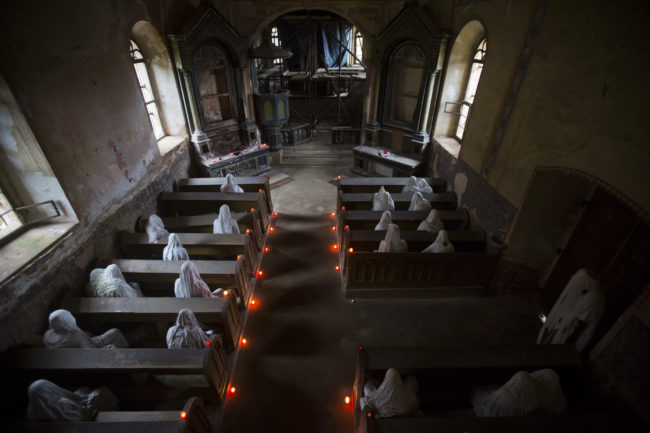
472	85
405	78
356	41
275	40
147	90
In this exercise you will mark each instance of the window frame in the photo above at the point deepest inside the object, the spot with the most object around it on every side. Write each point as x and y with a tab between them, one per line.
147	90
471	87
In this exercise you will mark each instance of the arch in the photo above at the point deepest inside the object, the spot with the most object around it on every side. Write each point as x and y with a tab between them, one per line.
457	76
161	74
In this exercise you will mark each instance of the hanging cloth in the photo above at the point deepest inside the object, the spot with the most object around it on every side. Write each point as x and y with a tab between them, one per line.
225	223
384	221
174	250
432	223
419	203
64	333
382	200
187	332
155	229
441	244
517	397
417	185
190	284
110	282
393	397
231	185
392	243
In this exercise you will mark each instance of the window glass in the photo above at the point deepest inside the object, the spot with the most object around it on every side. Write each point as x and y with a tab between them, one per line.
147	90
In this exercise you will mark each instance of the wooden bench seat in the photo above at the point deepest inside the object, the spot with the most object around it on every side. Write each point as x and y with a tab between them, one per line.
390	184
157	277
196	203
198	245
119	368
213	184
195	420
219	313
247	221
464	241
363	201
445	378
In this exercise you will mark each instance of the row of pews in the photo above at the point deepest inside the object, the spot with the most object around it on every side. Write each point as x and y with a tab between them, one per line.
465	272
150	376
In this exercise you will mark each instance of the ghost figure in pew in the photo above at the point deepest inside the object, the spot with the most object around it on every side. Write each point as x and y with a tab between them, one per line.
382	200
576	313
225	223
187	332
189	284
155	229
537	393
384	221
110	283
432	223
392	243
174	250
49	402
231	185
418	202
442	244
416	185
393	397
65	334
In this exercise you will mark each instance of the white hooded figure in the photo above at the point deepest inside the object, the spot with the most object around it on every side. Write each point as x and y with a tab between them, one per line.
225	223
231	185
419	203
393	397
392	243
549	392
382	200
432	223
155	229
441	244
111	283
49	402
174	250
64	334
384	221
517	397
576	313
190	284
187	332
417	185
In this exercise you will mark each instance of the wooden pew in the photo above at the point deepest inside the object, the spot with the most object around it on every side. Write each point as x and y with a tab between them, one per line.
416	275
158	276
457	219
445	378
194	420
196	203
464	241
390	184
198	245
122	370
363	201
213	184
219	313
249	223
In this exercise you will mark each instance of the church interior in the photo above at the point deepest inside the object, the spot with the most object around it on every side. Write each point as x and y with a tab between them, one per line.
124	119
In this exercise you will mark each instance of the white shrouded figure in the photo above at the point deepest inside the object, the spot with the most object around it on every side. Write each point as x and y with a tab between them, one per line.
392	243
418	202
442	244
523	394
432	223
384	221
417	185
187	332
64	333
225	223
231	185
393	397
155	229
189	284
576	313
174	250
382	200
111	283
49	402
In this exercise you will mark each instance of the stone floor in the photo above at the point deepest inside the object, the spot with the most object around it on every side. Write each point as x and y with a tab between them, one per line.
303	335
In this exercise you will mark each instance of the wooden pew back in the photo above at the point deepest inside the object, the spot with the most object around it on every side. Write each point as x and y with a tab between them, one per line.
363	201
390	184
213	184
